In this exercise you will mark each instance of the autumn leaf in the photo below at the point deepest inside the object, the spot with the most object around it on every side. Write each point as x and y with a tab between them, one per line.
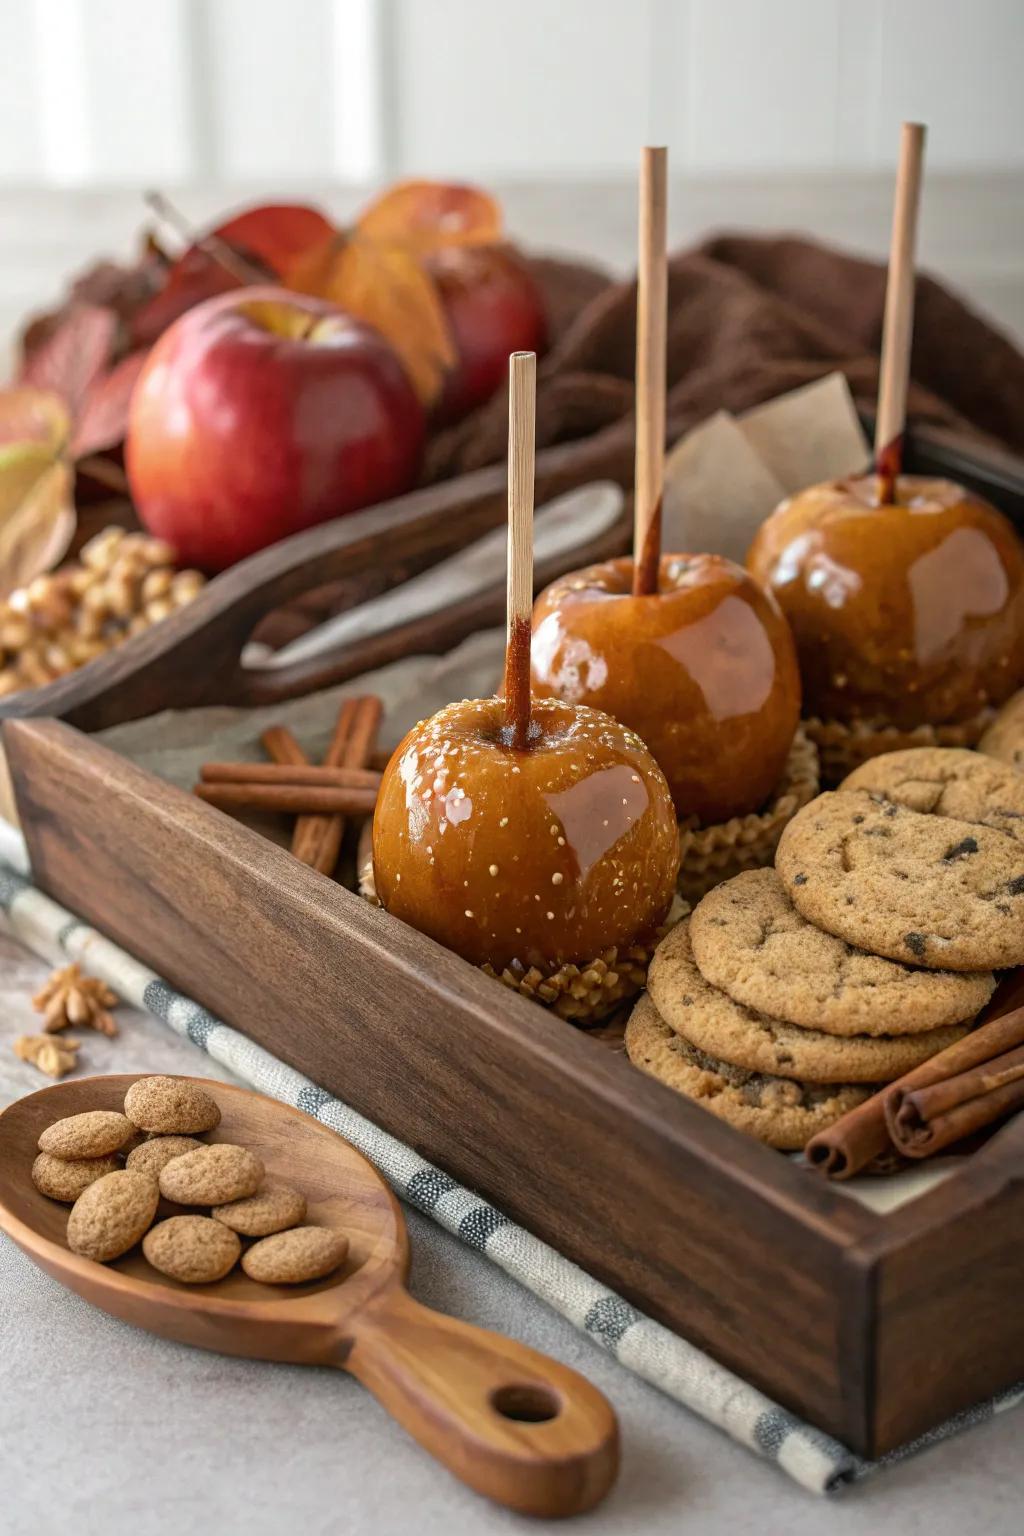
103	420
37	514
259	245
78	352
386	286
425	215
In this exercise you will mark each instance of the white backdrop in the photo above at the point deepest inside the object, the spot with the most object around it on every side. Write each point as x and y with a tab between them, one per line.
102	92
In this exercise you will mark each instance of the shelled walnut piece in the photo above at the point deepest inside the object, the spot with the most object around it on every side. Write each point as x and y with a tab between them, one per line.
114	1206
54	1057
124	584
68	997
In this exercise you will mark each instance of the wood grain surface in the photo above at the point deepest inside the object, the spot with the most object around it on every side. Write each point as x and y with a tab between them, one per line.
711	1233
518	1427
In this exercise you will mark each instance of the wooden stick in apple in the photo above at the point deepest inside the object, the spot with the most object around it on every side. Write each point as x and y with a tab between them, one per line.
898	324
522	411
651	326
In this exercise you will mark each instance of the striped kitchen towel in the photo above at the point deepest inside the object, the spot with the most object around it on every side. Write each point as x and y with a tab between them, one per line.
811	1458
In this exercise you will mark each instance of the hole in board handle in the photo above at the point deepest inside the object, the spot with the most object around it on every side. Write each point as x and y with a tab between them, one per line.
525	1403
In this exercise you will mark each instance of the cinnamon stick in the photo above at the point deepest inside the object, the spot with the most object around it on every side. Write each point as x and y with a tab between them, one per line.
291	799
289	773
280	745
853	1141
926	1120
355	738
309	832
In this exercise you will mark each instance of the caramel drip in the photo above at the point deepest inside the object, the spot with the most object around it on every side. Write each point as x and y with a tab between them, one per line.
888	463
646	568
516	730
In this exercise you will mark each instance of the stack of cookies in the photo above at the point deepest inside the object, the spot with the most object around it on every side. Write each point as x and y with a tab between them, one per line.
792	994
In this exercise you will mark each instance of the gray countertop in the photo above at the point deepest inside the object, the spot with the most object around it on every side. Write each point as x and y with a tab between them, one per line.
108	1431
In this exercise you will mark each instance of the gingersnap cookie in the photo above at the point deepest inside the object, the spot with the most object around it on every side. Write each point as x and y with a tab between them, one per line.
94	1133
717	1024
929	890
274	1209
1004	738
111	1215
64	1178
212	1175
289	1258
783	1113
749	940
170	1106
940	781
152	1156
194	1249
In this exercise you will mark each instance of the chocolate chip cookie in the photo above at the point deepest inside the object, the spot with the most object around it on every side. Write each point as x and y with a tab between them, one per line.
947	781
929	890
715	1023
1004	738
749	940
777	1110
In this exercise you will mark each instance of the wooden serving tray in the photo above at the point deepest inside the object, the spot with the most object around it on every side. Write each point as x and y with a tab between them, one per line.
873	1327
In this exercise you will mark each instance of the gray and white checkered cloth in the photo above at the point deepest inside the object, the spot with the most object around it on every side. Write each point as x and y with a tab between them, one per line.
811	1458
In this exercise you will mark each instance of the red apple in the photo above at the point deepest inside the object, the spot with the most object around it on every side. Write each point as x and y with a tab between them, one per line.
493	307
260	413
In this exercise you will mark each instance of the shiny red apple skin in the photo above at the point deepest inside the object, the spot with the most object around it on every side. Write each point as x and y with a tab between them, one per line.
704	670
493	307
260	413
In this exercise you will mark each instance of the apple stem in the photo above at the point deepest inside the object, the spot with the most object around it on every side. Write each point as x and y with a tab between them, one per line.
522	411
651	329
898	324
218	250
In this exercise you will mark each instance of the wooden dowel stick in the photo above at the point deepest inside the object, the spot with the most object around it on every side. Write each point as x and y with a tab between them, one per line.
651	331
522	410
898	324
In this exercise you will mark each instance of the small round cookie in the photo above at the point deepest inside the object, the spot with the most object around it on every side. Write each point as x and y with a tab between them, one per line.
717	1024
776	1110
274	1209
947	781
1004	738
749	940
289	1258
193	1249
64	1178
212	1175
152	1156
93	1133
111	1215
928	890
170	1106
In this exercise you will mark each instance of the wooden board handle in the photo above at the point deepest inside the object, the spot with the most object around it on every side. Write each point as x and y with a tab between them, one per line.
514	1425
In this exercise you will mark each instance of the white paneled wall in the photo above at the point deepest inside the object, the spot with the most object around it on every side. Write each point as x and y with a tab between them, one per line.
100	92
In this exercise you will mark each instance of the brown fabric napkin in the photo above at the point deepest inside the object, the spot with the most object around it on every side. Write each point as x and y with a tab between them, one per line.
749	318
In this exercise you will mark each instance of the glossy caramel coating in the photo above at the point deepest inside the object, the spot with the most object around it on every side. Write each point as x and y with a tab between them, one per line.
546	855
704	671
909	613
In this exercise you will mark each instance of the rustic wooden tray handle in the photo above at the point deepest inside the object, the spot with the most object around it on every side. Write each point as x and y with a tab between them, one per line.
518	1427
193	657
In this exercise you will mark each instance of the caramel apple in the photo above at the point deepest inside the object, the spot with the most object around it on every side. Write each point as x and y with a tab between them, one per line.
908	611
527	835
546	854
703	669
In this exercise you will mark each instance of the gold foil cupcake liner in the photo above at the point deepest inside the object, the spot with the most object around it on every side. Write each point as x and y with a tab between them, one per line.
582	994
842	747
713	853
